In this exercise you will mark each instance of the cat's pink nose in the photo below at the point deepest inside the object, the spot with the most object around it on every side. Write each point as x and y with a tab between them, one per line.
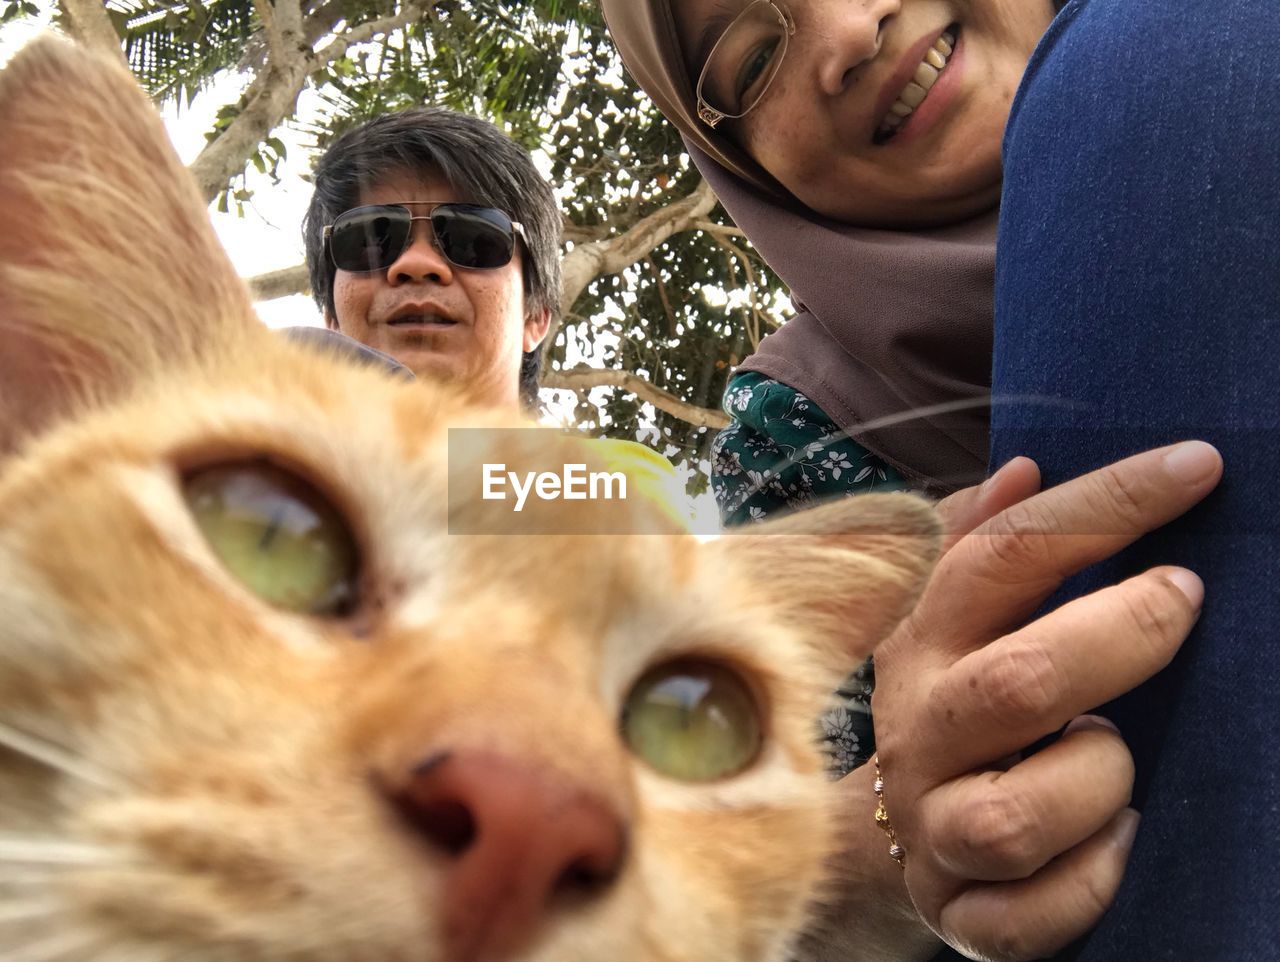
518	839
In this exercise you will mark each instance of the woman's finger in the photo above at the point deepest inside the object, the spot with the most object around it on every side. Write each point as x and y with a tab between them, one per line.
995	578
1035	917
1030	683
1005	825
963	511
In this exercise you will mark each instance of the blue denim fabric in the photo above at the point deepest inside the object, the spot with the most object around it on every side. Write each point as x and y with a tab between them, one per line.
1138	280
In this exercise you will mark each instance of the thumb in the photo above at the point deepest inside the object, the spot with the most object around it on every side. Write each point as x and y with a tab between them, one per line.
963	511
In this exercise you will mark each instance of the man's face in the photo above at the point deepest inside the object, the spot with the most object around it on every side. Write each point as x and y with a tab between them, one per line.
439	320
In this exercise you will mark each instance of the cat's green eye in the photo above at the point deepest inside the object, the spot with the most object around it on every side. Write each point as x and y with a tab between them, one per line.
693	721
277	534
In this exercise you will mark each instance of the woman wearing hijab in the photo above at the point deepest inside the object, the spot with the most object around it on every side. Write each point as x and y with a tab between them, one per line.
1135	299
882	379
888	321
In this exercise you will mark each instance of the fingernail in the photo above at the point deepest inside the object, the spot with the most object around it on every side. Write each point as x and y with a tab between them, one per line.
1089	721
1126	829
1189	583
1192	461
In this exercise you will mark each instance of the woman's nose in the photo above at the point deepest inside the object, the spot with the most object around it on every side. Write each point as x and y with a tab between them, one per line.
846	35
421	260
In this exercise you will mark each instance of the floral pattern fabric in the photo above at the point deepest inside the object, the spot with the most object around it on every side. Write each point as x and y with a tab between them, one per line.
779	453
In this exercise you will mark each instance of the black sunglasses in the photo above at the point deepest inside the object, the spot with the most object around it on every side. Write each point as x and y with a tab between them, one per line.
371	238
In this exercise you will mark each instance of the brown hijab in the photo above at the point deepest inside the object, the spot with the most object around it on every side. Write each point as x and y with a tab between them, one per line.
892	338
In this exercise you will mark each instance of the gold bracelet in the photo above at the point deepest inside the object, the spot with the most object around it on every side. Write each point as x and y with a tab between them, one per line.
896	851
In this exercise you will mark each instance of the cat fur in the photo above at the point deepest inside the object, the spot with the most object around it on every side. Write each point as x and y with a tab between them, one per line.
189	774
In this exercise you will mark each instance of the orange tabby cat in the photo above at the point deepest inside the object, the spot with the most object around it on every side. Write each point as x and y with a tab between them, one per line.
256	703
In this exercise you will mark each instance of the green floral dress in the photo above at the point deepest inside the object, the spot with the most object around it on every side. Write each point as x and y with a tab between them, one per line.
781	452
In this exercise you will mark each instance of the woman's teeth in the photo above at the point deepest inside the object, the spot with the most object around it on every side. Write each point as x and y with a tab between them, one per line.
914	92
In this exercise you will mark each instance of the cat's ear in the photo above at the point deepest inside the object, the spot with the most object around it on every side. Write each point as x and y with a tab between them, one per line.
845	573
109	267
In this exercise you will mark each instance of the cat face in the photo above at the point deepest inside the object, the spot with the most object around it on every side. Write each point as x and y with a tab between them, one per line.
257	704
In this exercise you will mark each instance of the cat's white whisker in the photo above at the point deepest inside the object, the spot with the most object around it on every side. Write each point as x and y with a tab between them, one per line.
26	851
55	756
902	417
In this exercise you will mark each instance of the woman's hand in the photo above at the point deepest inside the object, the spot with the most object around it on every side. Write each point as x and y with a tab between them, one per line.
1010	859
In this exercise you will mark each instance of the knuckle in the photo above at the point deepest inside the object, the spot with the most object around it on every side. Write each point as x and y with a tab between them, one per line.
1000	834
1122	497
1019	684
1020	539
941	706
1152	609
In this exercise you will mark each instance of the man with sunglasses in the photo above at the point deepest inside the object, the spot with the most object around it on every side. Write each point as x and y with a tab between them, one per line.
432	237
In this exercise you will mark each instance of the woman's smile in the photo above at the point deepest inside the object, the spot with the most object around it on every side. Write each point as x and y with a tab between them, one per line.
883	113
907	114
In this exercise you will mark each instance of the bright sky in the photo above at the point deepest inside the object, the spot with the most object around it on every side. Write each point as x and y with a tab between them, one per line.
269	236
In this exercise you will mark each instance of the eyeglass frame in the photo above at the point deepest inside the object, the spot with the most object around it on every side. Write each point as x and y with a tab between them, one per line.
517	230
710	115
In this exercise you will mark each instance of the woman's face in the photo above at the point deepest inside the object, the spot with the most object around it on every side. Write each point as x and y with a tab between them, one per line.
823	128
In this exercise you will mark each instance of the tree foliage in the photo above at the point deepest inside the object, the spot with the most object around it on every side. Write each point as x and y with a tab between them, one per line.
680	315
175	50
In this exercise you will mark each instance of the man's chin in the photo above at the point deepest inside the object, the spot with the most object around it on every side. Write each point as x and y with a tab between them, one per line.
428	365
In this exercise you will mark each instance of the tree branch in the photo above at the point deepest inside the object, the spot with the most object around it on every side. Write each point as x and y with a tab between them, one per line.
269	99
364	32
580	234
88	23
662	296
267	14
274	91
281	283
753	323
720	230
585	378
588	261
288	18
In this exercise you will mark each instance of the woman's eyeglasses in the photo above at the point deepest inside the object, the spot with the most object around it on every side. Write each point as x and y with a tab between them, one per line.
366	239
743	62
